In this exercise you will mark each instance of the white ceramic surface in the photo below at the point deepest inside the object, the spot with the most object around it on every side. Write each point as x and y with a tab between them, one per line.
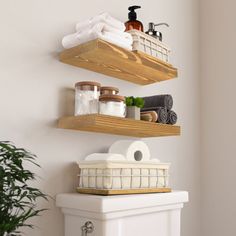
126	215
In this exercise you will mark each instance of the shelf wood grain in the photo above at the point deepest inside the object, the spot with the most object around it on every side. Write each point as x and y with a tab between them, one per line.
109	59
117	126
107	192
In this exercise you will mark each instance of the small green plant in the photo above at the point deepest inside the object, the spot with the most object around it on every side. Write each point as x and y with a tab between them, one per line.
132	101
17	197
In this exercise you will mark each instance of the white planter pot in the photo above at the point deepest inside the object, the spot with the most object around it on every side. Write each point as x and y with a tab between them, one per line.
133	112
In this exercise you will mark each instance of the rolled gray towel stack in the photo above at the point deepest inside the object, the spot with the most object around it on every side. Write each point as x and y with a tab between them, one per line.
162	105
172	118
165	100
162	114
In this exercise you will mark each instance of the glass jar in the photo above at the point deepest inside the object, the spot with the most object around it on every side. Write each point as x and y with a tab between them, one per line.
109	90
112	105
86	97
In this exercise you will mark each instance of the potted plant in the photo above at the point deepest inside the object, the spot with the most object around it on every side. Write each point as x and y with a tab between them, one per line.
133	107
17	197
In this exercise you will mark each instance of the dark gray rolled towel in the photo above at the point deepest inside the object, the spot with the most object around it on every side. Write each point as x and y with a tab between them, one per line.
165	100
172	118
162	113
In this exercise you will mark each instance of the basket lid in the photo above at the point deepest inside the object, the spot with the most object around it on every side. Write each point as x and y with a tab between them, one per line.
122	164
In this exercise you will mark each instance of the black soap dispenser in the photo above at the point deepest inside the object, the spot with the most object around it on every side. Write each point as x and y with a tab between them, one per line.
152	32
133	23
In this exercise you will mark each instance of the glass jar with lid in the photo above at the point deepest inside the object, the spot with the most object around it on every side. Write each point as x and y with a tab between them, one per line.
86	97
112	105
109	90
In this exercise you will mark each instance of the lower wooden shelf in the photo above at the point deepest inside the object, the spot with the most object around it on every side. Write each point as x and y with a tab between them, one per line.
122	191
117	126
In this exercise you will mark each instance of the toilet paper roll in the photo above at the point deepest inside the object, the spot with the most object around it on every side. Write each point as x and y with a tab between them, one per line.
132	150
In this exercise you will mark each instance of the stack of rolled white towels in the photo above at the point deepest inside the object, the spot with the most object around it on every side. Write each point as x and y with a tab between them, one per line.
102	26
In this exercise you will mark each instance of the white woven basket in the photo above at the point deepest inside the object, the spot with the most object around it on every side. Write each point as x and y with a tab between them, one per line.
146	43
123	175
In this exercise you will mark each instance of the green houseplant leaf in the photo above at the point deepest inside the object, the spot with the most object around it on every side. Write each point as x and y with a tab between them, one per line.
129	101
132	101
139	102
18	200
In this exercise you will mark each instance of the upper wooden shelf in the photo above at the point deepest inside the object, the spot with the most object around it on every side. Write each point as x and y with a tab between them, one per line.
118	126
109	59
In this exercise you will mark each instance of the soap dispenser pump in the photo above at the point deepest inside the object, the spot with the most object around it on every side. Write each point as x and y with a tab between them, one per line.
133	23
151	30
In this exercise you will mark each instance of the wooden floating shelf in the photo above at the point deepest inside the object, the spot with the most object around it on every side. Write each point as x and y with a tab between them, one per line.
109	59
118	126
107	192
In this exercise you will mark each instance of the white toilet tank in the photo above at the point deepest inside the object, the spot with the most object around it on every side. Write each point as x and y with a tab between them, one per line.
126	215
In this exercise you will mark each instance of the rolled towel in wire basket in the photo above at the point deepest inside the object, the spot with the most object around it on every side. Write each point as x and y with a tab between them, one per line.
162	113
165	100
172	118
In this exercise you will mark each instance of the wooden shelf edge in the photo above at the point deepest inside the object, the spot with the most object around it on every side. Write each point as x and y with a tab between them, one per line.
109	59
117	126
107	192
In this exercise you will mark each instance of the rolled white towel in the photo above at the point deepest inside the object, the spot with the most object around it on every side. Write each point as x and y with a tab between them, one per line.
76	39
101	18
121	39
103	27
70	41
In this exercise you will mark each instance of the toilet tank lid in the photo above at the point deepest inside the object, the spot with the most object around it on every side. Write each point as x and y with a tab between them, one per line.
108	204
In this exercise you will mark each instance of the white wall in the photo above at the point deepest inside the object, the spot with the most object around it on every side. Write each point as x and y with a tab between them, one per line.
218	37
34	86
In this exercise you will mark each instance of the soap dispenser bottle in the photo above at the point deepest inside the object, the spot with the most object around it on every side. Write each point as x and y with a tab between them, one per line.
133	23
151	30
